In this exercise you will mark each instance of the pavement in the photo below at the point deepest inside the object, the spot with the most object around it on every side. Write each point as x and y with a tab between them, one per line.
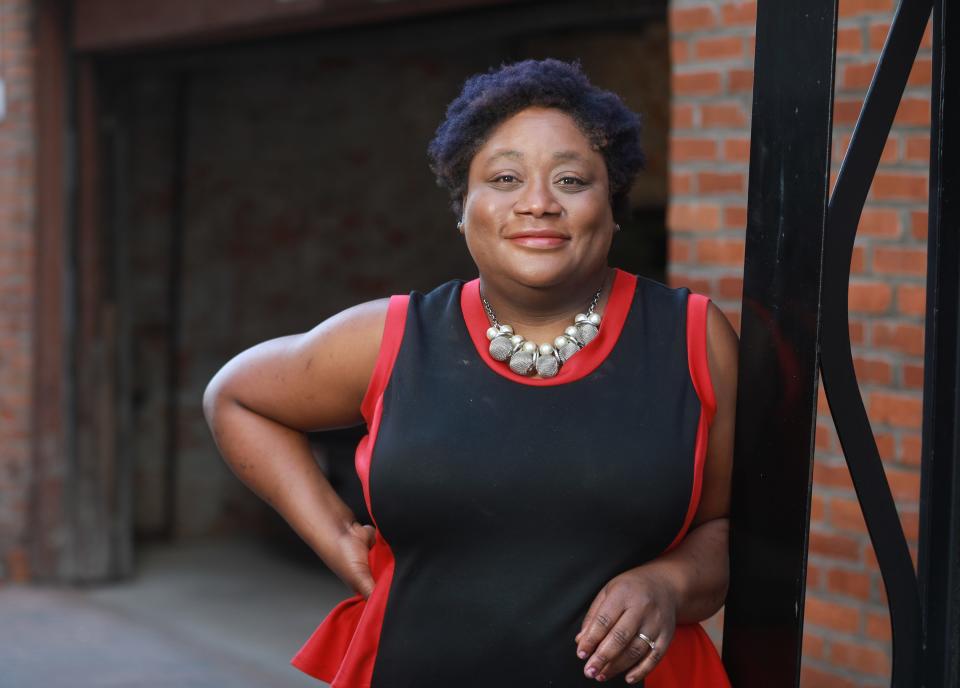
204	614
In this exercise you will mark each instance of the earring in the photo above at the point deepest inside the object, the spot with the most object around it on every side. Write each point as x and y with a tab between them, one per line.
616	228
460	225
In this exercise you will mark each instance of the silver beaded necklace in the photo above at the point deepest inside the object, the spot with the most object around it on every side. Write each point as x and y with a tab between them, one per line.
525	357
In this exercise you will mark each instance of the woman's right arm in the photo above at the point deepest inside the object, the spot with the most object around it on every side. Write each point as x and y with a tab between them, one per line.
259	407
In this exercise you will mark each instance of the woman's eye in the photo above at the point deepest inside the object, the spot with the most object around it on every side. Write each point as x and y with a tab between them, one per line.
505	177
572	181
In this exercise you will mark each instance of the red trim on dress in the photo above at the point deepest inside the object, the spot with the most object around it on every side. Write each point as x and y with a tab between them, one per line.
692	659
581	365
700	375
343	648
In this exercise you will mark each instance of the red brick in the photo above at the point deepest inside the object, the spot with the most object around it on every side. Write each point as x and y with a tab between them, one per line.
849	583
870	297
904	483
736	150
910	448
687	19
846	515
913	111
679	51
735	217
922	72
723	116
681	183
918	224
824	438
857	76
730	287
862	658
872	371
910	520
740	80
818	509
835	546
879	222
678	250
853	8
877	626
696	83
917	148
738	13
681	116
912	299
812	677
720	251
719	48
846	110
877	35
899	186
833	615
721	182
897	410
913	375
886	445
899	337
684	149
858	260
813	646
899	261
693	217
849	40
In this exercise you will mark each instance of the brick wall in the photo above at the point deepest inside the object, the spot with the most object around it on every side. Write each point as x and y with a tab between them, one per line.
847	633
16	280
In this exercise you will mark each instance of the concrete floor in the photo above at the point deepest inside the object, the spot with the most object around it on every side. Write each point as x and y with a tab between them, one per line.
211	614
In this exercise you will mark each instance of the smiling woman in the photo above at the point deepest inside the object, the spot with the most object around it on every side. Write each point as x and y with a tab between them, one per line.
548	454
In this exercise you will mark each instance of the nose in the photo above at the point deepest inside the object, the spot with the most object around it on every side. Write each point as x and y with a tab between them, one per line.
537	198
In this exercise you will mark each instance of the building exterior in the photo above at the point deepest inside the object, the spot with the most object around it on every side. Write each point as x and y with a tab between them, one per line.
92	80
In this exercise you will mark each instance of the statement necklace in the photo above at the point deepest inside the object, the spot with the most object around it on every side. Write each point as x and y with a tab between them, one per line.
525	357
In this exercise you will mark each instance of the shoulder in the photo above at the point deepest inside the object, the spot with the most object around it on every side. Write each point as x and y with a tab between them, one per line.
722	353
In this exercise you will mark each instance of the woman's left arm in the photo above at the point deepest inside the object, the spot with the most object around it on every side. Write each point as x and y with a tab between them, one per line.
688	583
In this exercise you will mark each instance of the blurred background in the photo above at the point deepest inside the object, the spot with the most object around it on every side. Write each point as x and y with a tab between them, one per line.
182	180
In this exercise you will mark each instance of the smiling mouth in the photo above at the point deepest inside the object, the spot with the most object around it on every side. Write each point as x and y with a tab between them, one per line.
542	241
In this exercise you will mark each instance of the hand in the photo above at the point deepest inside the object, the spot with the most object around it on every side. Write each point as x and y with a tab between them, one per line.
636	601
355	545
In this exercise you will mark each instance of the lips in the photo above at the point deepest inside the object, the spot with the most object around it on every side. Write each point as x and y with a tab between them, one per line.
538	238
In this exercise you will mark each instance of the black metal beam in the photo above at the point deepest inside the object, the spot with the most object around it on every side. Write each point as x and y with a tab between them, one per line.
777	398
839	378
939	564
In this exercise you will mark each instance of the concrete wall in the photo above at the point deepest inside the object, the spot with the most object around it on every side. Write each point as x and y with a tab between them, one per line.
847	631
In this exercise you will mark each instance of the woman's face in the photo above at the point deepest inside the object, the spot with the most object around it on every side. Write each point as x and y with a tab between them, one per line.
537	208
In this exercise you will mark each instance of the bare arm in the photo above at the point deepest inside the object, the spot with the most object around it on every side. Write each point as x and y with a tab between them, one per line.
689	583
259	407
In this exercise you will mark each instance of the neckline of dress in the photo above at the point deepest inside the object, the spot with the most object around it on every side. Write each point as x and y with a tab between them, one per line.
584	362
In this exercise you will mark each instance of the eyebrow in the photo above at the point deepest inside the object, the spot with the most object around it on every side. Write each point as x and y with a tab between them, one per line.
517	155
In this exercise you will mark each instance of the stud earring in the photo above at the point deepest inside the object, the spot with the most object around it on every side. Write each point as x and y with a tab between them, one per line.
460	226
616	228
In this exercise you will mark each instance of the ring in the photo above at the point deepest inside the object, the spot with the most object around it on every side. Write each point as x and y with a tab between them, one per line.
647	641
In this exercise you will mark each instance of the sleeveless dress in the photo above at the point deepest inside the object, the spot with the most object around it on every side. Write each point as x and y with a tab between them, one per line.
503	504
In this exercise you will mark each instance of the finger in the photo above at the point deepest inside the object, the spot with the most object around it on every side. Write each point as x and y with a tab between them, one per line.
371	535
601	622
588	617
647	664
618	638
631	655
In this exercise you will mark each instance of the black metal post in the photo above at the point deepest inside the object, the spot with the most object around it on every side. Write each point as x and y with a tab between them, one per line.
787	209
939	563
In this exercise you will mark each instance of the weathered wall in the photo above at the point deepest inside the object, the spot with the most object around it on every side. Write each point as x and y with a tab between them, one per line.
847	633
17	255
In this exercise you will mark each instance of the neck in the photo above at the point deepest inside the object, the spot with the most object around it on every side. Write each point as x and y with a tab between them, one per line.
542	313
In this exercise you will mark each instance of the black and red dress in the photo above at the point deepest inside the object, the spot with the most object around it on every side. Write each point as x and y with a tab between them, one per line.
503	504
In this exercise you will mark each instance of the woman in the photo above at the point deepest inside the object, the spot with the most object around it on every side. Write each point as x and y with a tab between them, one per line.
550	497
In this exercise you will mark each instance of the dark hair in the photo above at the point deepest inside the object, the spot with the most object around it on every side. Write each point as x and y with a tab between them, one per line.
488	99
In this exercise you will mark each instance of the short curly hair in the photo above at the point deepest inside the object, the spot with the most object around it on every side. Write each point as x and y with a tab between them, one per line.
488	99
